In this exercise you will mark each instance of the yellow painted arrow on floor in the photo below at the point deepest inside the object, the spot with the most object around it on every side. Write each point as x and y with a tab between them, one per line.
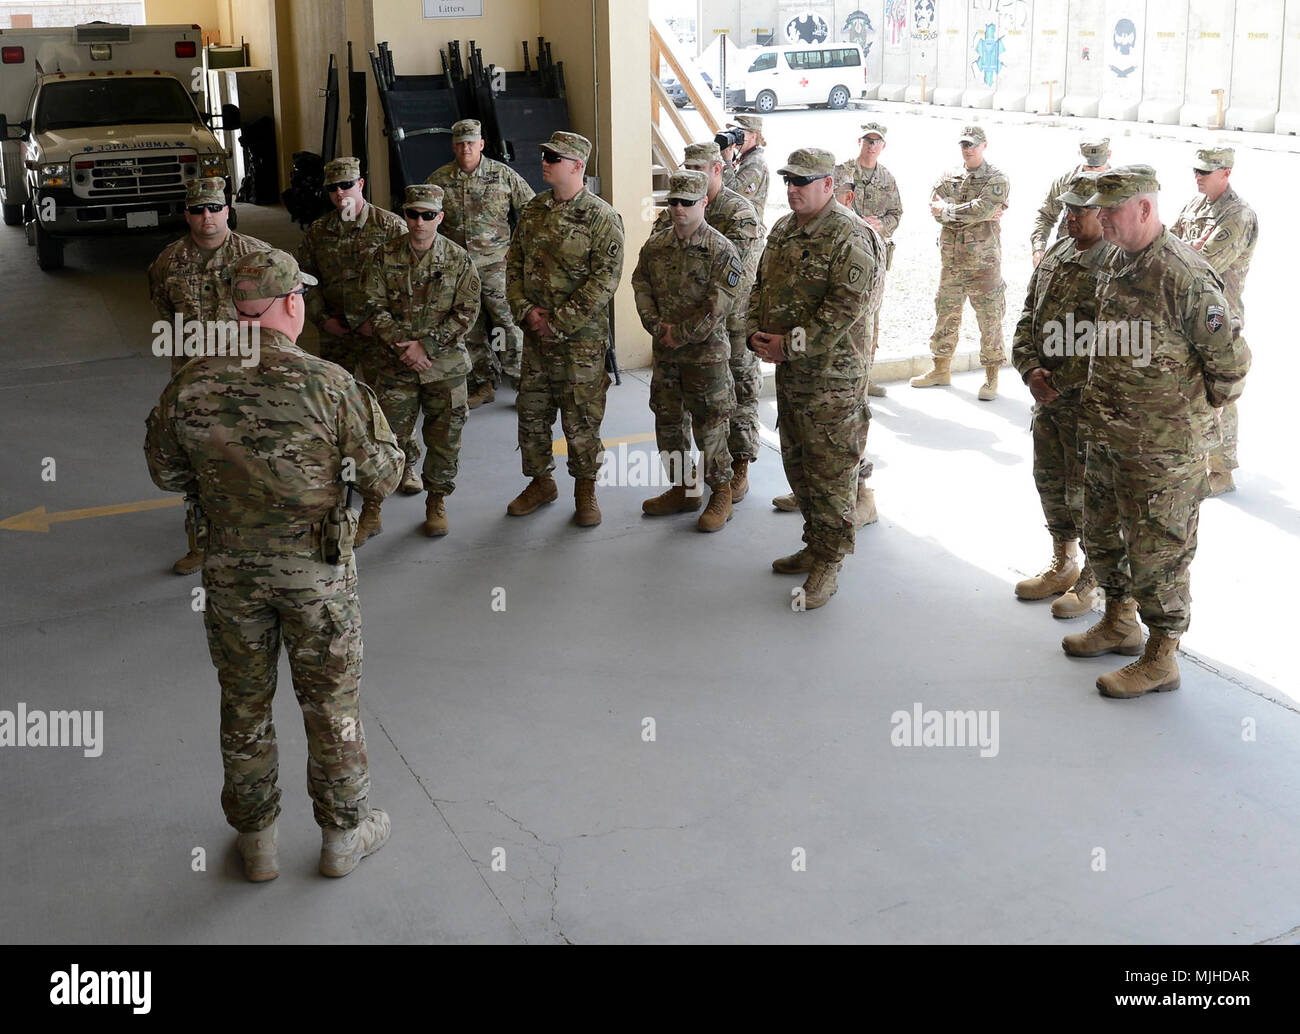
39	520
561	448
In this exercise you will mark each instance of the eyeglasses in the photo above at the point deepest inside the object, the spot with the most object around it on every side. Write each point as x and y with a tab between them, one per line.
872	141
421	213
800	181
676	202
274	298
550	157
1081	209
334	187
1201	172
200	209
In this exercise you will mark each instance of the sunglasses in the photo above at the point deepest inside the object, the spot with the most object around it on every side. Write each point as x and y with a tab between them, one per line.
421	213
335	187
678	202
274	299
550	157
800	181
1080	209
200	209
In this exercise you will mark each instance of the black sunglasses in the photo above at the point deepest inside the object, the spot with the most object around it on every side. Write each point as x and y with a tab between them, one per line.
333	187
676	201
274	299
800	181
200	209
550	157
421	213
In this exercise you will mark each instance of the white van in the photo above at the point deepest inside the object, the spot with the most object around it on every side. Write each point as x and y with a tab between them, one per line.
824	73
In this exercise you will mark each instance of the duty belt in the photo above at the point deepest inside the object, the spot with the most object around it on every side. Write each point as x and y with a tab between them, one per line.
289	538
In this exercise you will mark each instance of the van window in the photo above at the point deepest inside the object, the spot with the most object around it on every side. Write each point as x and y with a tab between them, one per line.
845	57
763	63
803	60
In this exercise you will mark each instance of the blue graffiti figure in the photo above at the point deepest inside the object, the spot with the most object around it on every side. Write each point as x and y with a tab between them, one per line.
988	54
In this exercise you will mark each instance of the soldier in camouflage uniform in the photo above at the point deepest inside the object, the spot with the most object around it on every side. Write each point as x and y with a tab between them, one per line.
733	217
1223	228
479	195
1051	352
563	266
810	314
686	282
1096	156
185	280
264	450
421	295
333	250
968	206
1150	426
876	199
750	176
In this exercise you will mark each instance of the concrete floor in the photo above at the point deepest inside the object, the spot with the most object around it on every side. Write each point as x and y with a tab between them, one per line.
522	730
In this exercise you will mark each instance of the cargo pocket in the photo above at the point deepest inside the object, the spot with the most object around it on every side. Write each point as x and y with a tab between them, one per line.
342	653
1174	510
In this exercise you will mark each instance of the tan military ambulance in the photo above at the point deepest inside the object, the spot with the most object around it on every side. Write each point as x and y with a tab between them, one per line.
100	131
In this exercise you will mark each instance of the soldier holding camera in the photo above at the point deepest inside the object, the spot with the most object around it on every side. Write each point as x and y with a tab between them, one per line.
742	143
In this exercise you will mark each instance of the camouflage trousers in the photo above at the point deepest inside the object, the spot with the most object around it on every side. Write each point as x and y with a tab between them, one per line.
1139	529
987	294
823	424
747	375
255	600
705	392
569	376
1223	457
1058	464
446	408
494	330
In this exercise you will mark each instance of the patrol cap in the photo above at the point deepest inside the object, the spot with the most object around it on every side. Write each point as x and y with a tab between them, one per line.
1095	150
808	161
973	134
1210	158
210	190
1116	186
874	129
466	129
342	170
1080	190
423	195
754	123
688	185
273	273
569	145
700	156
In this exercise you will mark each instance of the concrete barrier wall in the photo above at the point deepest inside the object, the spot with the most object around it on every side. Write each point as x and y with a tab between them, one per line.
897	45
1288	115
1166	64
1123	50
1083	59
1047	55
954	50
1256	66
923	58
862	22
1209	61
1015	21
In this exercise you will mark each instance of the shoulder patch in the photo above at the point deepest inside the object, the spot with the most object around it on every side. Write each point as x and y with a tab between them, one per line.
734	272
613	248
1215	317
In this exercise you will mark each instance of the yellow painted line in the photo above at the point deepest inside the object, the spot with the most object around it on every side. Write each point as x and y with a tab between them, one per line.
560	447
39	520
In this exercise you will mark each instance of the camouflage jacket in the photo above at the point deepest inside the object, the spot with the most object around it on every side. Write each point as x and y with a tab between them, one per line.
476	206
1060	306
1233	231
875	192
1162	408
752	179
690	285
815	283
1048	220
970	235
334	250
184	280
735	218
264	447
566	256
431	298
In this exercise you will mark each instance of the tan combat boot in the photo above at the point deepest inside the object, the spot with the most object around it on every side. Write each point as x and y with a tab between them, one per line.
718	512
1080	599
483	393
989	389
369	523
435	516
876	391
739	480
1057	577
540	490
1156	671
675	500
940	374
189	563
585	511
865	510
342	849
1118	631
259	853
411	481
787	503
821	584
795	563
